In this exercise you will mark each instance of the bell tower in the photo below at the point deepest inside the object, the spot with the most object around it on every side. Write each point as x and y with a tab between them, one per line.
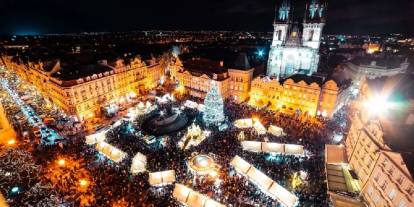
313	24
281	23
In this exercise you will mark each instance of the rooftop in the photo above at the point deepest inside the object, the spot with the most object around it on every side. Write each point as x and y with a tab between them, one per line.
200	66
308	79
73	72
388	62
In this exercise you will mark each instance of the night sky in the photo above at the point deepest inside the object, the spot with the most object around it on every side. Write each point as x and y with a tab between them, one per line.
65	16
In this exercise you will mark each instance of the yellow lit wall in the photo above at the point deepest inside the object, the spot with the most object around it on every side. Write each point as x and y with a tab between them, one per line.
85	97
290	96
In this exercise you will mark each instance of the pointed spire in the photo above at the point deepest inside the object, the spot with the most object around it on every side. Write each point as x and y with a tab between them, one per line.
315	11
284	11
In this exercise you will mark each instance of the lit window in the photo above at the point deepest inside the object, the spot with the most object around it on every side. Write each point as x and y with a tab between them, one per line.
376	199
392	194
402	204
370	190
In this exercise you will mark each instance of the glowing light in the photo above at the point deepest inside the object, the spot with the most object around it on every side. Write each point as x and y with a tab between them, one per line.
213	173
15	189
377	105
83	182
61	162
11	142
260	53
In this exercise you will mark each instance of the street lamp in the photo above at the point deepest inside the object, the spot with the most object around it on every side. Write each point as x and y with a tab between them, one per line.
11	142
83	182
61	162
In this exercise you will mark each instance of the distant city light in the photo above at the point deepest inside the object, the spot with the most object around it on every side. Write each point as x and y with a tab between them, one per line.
15	189
260	53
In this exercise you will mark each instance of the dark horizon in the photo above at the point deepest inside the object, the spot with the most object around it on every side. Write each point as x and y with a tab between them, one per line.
353	17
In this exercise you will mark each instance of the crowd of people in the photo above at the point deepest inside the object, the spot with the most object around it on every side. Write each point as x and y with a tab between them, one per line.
114	185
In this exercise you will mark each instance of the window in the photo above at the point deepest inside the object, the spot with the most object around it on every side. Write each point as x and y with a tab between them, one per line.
376	178
400	179
384	185
376	199
279	34
392	194
370	190
402	203
410	190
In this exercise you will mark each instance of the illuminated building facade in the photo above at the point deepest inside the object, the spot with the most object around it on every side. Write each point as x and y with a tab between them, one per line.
371	48
197	74
83	90
297	94
292	52
6	130
362	68
381	152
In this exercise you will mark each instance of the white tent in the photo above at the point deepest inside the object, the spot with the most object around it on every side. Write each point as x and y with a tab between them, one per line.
161	178
243	123
138	163
258	126
192	198
276	131
110	151
249	123
97	137
252	146
265	184
271	147
294	149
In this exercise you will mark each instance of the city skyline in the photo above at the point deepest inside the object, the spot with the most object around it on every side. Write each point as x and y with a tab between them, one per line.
47	17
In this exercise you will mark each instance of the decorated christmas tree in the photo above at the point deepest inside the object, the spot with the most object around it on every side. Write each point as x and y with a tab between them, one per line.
213	111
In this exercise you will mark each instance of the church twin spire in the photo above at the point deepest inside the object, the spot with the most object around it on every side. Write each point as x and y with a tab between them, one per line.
284	11
315	11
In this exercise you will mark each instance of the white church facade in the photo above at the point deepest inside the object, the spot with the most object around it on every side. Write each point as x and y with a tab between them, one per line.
294	52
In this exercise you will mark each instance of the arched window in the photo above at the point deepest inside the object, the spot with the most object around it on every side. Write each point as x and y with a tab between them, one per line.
279	34
310	36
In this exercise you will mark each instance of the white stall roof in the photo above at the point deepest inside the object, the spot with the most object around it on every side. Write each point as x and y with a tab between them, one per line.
192	198
272	147
161	178
265	184
277	131
99	136
252	146
110	151
243	123
139	163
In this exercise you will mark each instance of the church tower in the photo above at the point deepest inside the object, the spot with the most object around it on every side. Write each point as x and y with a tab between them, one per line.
281	23
292	51
313	24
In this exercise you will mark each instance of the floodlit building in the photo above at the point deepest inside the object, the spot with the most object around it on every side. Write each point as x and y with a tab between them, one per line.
379	145
82	90
341	182
6	131
293	51
296	94
362	68
197	74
